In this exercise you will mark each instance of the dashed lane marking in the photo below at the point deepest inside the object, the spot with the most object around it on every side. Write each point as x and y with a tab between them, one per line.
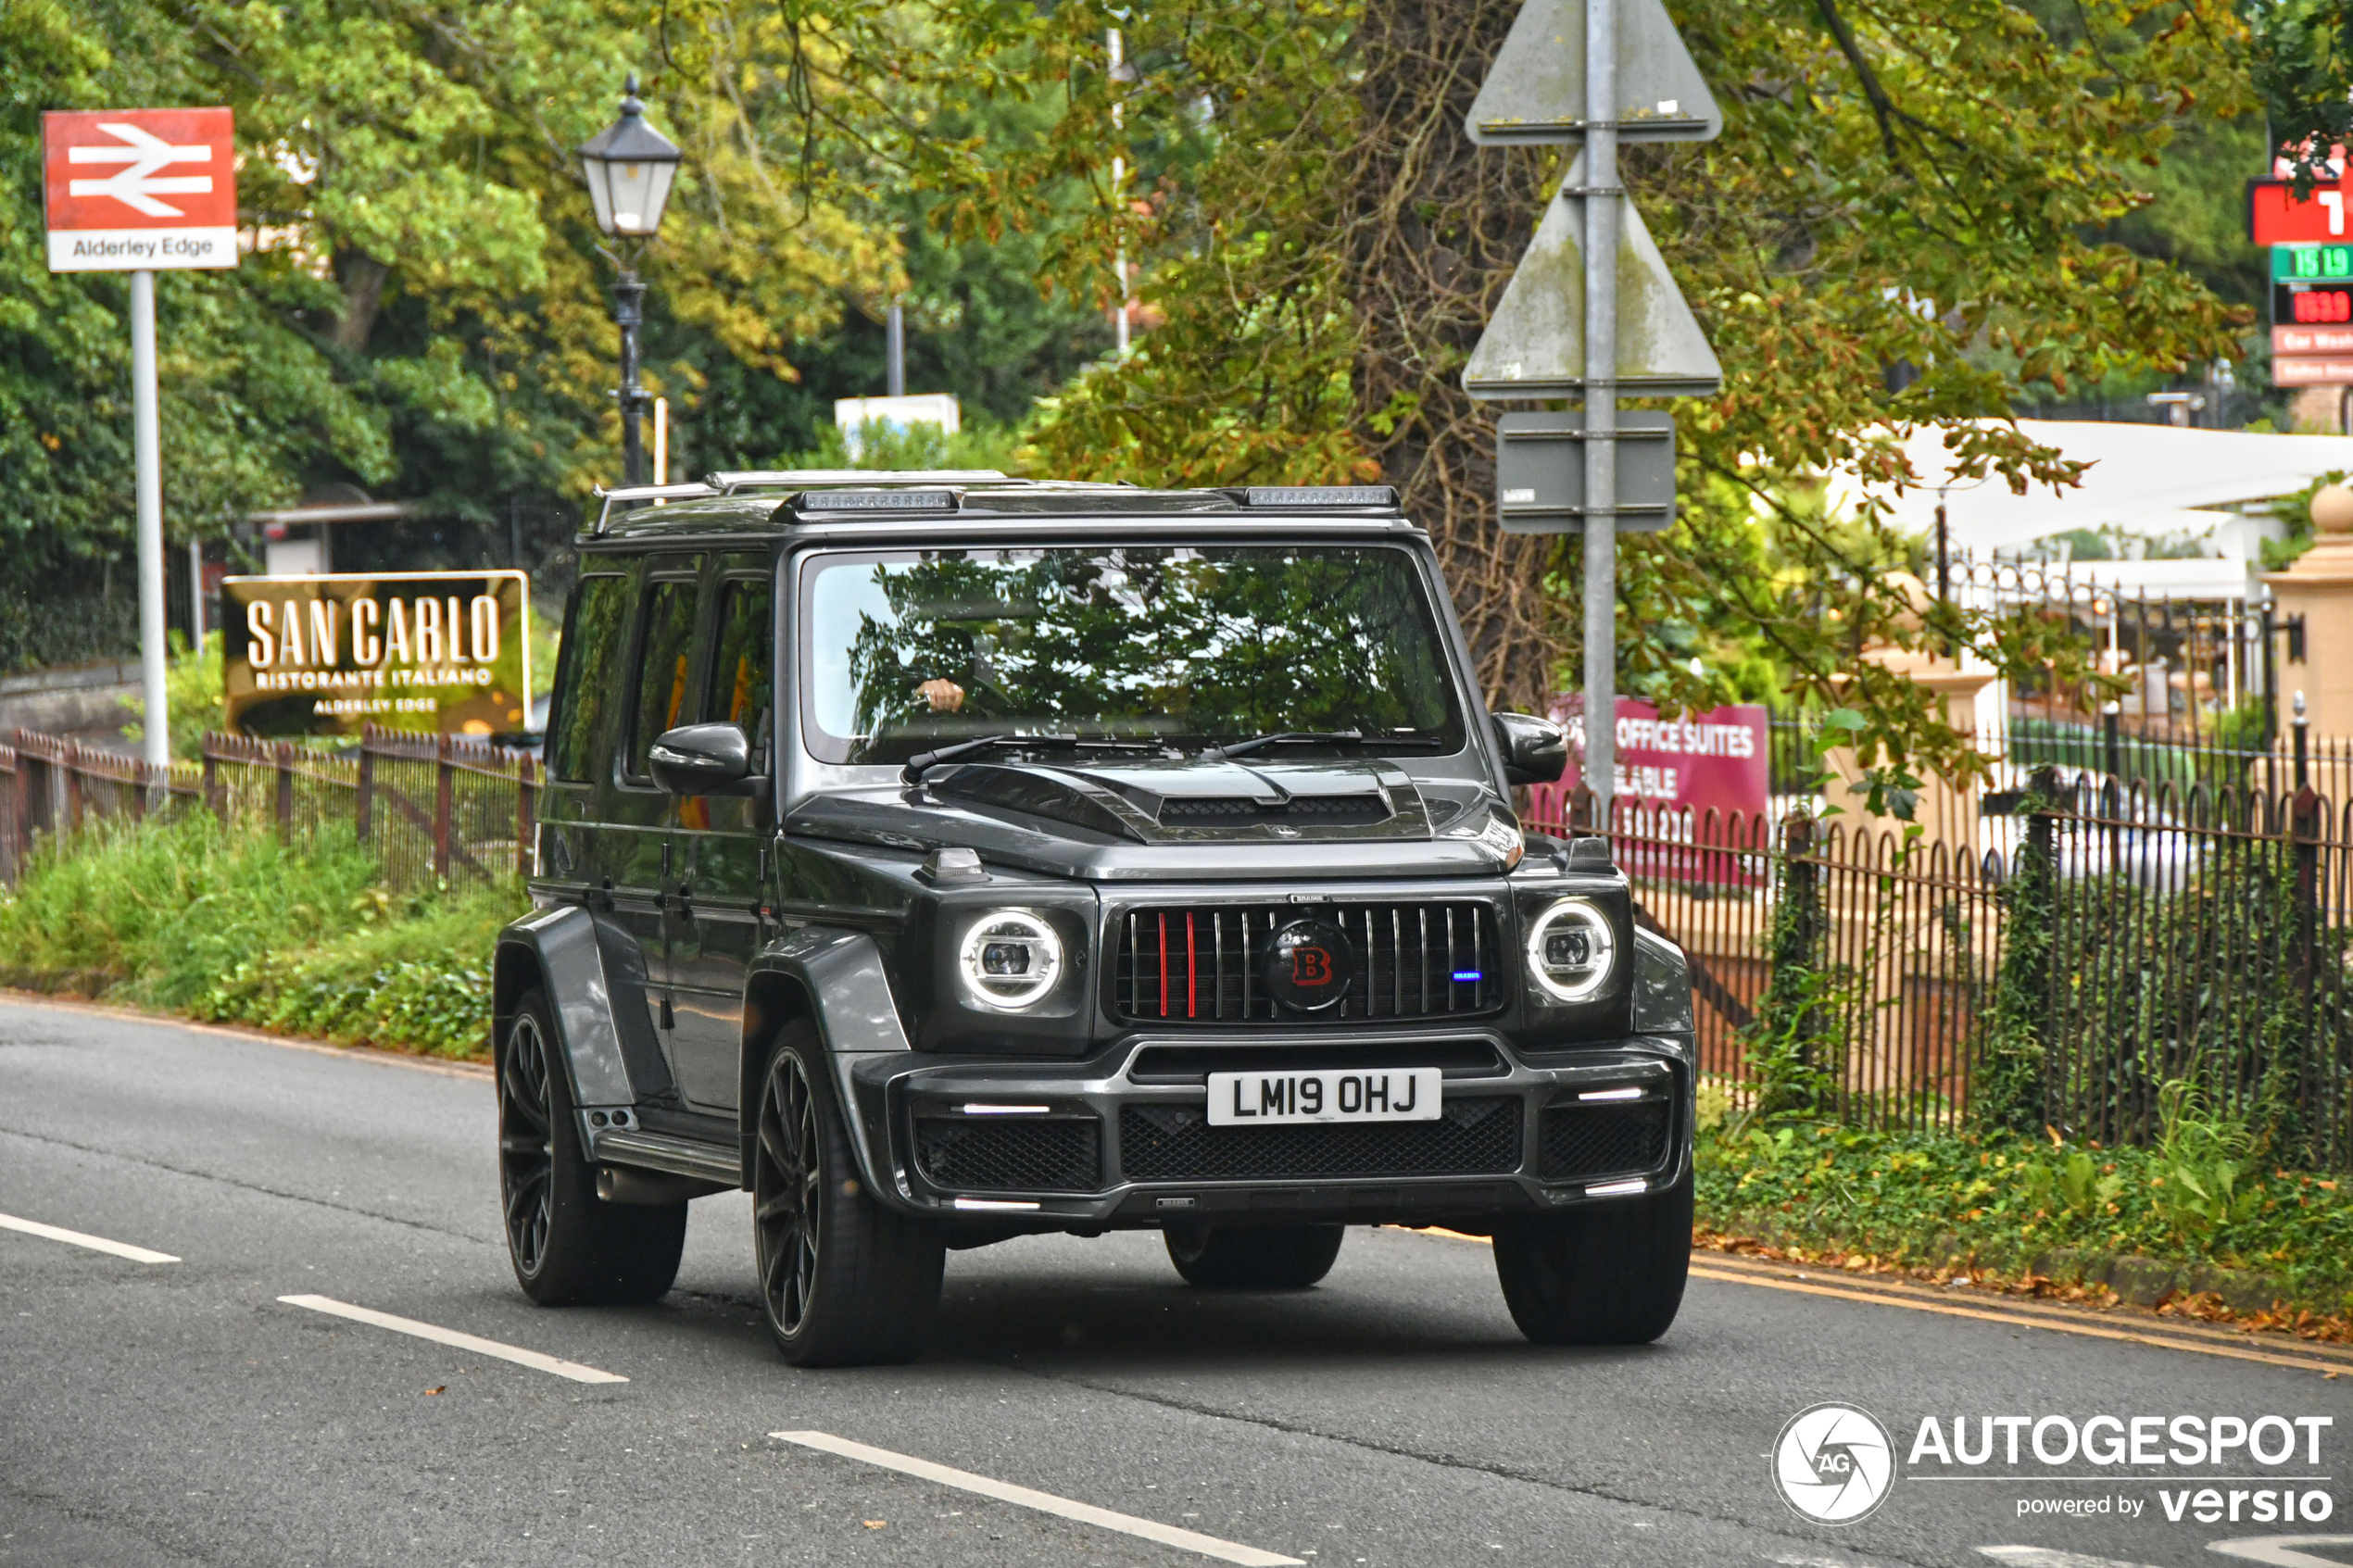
83	1239
1044	1502
440	1336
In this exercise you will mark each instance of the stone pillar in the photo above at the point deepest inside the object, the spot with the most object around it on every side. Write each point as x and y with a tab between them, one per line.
2318	587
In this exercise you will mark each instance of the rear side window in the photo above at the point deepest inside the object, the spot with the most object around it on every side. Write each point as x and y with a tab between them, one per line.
740	659
592	644
661	669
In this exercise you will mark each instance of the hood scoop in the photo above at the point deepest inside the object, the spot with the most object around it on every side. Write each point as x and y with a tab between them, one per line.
1190	801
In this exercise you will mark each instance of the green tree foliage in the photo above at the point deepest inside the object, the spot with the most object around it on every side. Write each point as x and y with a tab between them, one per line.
1897	185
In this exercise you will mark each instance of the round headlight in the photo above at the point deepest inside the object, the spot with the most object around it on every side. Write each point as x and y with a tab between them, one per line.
1571	950
1011	959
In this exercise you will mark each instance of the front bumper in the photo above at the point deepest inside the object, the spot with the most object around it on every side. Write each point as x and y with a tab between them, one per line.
1122	1140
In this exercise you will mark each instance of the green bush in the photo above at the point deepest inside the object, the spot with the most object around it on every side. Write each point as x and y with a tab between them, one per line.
1997	1200
181	916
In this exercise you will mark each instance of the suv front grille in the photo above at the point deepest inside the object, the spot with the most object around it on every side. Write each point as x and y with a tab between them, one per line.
1602	1140
1198	963
1011	1153
1478	1137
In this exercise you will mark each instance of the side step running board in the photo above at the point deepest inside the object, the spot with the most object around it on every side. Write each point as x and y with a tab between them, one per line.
662	1151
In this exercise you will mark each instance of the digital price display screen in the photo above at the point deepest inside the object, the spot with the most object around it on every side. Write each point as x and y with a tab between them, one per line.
2309	264
2299	304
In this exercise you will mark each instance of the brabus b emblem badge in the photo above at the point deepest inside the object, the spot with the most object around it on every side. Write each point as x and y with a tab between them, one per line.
1307	965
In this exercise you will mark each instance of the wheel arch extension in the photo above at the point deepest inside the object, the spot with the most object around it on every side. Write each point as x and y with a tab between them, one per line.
558	950
835	979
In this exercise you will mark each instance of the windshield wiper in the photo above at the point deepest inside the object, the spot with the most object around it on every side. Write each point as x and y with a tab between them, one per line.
924	762
1316	737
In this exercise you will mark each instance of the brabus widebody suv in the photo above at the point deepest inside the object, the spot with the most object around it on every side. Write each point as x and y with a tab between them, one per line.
945	858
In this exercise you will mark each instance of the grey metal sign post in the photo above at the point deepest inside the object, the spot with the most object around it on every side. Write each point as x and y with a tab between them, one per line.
1591	312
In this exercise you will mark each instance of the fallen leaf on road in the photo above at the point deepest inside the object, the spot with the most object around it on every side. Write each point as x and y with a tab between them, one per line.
875	1524
443	1388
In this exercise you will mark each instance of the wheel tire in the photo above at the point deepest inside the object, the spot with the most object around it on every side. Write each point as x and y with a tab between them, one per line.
1609	1273
843	1281
1253	1257
569	1246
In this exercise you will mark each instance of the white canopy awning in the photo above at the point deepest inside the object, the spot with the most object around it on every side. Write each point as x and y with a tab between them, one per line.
2142	477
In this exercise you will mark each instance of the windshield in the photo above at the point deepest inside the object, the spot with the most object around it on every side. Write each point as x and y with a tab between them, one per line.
1183	645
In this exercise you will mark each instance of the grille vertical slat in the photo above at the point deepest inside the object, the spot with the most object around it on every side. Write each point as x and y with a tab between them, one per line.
1396	945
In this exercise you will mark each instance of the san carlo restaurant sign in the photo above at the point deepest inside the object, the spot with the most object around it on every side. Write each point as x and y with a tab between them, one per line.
447	651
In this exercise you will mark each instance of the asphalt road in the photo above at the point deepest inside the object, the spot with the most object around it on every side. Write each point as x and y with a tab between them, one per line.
177	1412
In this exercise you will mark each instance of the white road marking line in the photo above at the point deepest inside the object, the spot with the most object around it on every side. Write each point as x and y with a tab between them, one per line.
2280	1550
83	1239
2046	1557
440	1336
1044	1502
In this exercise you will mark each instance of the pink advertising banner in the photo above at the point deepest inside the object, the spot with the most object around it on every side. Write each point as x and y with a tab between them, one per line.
1671	774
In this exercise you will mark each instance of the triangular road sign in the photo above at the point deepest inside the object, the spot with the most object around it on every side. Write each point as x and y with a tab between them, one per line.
1535	91
1534	345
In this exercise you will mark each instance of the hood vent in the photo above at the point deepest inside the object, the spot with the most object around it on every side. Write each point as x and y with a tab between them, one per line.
1234	810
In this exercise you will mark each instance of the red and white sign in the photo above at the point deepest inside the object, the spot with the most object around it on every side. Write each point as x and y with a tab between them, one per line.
2276	217
2314	369
130	189
2337	341
1691	784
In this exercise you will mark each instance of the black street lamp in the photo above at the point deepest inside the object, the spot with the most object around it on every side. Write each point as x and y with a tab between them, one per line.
629	166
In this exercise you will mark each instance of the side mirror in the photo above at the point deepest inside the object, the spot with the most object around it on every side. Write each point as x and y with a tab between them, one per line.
704	760
1535	750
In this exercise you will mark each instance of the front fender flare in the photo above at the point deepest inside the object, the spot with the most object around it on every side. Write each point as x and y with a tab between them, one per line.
840	980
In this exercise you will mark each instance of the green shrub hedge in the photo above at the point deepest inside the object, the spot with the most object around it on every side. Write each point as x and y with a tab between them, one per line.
182	917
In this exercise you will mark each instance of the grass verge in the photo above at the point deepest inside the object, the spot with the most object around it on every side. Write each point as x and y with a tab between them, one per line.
2200	1224
180	916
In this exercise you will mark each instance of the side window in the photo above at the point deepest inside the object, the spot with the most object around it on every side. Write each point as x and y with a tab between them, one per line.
740	659
592	643
661	668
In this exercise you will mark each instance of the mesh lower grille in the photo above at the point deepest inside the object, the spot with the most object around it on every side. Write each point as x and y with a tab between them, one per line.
972	1154
1175	1142
1602	1140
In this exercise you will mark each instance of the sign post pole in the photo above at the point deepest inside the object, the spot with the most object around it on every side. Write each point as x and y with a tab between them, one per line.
137	190
1601	405
147	442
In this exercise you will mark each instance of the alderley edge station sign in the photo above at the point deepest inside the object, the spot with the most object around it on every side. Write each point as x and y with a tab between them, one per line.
447	651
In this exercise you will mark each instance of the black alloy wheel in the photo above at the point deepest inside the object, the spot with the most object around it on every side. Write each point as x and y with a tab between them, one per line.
526	1145
786	1174
844	1281
569	1246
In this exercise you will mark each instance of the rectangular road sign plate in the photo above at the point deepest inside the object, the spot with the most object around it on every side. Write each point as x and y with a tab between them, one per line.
447	651
2290	343
1535	91
1540	471
2311	264
2312	369
2312	305
2276	217
125	190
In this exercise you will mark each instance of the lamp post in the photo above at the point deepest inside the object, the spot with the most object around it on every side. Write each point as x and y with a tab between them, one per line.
629	166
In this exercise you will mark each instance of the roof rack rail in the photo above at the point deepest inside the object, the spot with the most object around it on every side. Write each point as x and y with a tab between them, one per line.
632	494
794	479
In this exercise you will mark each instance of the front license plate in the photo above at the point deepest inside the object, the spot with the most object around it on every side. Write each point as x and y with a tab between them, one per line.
1257	1099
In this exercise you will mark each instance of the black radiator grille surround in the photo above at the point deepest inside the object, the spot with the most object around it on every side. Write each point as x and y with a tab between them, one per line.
1475	1136
1587	1141
1198	963
1011	1153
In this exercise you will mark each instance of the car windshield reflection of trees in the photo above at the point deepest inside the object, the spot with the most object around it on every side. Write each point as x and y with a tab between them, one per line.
1179	646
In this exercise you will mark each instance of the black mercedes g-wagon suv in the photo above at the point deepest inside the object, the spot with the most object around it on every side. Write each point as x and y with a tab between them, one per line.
945	858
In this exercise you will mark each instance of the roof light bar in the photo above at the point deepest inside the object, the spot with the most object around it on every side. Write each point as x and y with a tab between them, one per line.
876	501
1320	496
794	479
